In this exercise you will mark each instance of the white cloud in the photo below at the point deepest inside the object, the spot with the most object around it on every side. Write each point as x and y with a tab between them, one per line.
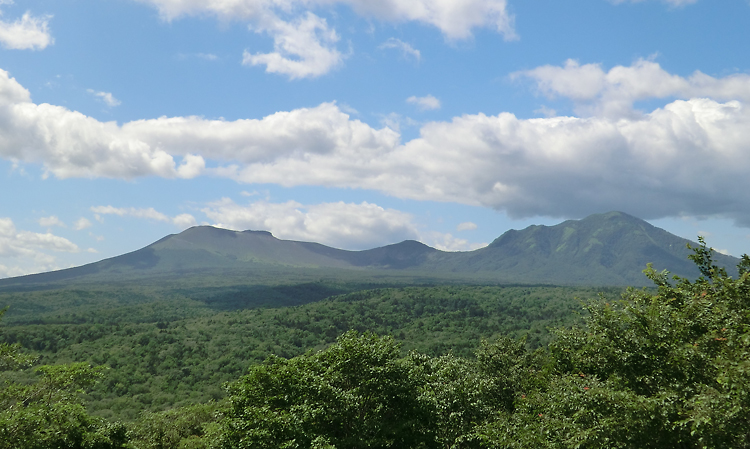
48	222
288	137
406	49
466	226
687	158
27	33
612	93
454	18
426	103
303	48
394	121
24	252
82	223
304	45
671	2
149	213
341	225
106	97
203	56
447	242
181	221
546	111
184	221
70	144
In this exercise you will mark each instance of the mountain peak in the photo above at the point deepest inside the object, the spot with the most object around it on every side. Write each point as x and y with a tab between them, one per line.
602	249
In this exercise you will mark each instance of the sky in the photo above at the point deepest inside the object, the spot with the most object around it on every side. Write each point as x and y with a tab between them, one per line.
362	123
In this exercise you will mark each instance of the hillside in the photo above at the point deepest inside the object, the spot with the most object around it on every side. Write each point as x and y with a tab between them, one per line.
602	249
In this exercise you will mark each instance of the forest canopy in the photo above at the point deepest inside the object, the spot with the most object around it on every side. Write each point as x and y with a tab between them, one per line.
661	367
651	370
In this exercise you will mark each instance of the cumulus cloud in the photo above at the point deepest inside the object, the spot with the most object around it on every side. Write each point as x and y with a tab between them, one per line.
24	252
105	97
26	33
184	221
304	48
343	225
688	157
181	221
82	223
70	144
406	50
466	226
48	222
149	213
454	18
612	93
447	242
427	103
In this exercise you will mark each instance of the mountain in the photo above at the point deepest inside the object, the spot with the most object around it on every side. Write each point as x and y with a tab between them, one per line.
602	249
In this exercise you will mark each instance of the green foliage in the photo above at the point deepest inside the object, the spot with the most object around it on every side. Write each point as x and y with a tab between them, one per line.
665	367
47	414
355	394
11	358
189	427
655	369
163	364
670	369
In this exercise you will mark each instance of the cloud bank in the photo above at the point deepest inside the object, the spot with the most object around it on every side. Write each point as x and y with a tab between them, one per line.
345	225
612	93
688	157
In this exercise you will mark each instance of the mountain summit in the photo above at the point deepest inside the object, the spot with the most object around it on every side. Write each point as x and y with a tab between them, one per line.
602	249
611	249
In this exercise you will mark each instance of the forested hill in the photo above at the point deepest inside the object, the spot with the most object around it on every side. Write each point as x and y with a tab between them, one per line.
602	249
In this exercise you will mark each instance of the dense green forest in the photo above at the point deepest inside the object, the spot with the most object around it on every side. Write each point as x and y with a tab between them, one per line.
161	363
442	366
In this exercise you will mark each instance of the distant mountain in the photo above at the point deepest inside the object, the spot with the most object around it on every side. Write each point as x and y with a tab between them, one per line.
603	249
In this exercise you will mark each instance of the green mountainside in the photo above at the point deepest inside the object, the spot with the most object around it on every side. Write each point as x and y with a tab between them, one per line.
602	249
136	351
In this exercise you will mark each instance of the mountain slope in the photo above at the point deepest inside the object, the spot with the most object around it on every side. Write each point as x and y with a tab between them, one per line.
602	249
610	249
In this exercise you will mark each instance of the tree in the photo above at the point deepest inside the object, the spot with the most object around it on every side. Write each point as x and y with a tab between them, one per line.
669	368
357	393
48	414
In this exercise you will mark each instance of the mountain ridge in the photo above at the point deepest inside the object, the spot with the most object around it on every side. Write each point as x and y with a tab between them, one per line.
601	249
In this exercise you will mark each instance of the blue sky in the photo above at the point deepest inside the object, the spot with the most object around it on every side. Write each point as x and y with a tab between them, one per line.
362	123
